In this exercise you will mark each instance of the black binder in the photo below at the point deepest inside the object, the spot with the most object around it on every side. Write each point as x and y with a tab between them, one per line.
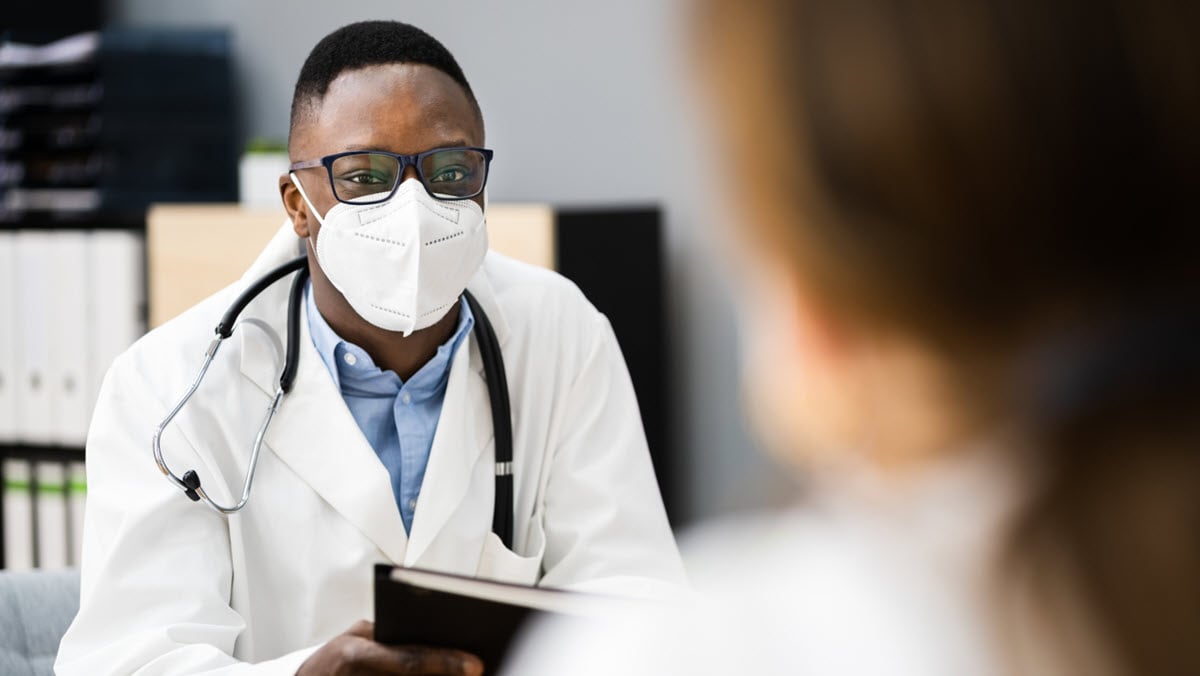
421	607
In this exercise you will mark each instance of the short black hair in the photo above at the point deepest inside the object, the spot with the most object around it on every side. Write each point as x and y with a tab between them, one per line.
370	43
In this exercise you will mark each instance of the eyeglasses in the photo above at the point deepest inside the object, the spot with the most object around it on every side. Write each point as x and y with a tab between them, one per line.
372	176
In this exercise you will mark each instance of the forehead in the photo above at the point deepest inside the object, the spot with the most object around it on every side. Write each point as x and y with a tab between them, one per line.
403	108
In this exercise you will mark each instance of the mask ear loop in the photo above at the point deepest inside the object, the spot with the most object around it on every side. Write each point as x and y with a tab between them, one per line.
311	209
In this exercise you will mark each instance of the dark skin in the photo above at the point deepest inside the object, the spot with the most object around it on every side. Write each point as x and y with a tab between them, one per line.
400	108
356	652
406	109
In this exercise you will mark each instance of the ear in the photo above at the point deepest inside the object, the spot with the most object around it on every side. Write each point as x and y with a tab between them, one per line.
293	204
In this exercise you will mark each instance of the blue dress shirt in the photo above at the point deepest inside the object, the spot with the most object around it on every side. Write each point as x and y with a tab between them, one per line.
397	418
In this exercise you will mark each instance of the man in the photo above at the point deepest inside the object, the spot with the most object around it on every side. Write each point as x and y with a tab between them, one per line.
382	451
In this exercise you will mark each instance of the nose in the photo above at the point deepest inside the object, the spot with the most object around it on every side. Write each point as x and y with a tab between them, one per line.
409	172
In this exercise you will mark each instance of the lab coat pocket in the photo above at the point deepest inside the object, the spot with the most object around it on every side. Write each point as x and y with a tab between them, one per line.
500	563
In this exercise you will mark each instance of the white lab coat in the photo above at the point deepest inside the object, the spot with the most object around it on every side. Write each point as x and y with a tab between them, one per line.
870	575
873	573
171	587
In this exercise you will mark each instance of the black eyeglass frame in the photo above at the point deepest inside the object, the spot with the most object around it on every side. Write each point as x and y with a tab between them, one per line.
405	161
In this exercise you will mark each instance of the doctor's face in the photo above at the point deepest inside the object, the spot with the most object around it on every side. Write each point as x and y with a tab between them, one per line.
399	108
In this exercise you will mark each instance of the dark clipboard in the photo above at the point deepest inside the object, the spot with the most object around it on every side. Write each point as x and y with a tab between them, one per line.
458	612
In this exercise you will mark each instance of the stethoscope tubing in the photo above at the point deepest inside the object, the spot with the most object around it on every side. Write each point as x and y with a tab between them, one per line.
494	372
190	481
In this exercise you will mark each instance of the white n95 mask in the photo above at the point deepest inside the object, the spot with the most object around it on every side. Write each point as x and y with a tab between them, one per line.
401	264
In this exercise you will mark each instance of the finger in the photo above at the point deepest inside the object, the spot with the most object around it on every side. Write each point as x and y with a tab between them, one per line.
412	659
472	665
438	661
362	629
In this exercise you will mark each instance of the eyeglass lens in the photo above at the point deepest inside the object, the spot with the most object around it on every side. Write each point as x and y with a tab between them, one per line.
370	177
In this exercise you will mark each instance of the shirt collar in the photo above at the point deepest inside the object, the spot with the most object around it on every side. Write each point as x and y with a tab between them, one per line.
364	377
323	336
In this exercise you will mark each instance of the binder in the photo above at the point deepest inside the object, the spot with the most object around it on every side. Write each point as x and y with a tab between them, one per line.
424	607
76	501
8	337
71	393
35	415
18	515
51	504
116	297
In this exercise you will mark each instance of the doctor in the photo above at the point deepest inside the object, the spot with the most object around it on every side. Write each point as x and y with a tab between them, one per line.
383	449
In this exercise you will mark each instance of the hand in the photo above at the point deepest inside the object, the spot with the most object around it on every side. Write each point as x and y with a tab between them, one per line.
356	652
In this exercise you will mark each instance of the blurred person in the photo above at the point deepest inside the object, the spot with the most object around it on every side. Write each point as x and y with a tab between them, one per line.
385	450
972	304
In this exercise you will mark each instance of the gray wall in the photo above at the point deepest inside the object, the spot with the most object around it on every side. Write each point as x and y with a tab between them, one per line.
585	104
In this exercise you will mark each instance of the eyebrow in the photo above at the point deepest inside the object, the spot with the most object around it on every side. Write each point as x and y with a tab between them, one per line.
455	143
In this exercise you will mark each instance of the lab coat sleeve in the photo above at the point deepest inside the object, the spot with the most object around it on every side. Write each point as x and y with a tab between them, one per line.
156	569
605	525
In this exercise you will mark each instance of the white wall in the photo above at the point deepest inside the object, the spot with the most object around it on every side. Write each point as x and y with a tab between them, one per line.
585	104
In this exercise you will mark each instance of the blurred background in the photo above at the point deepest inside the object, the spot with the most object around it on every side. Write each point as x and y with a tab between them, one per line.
587	106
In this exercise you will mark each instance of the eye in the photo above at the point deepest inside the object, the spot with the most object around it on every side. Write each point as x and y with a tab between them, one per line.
455	174
365	178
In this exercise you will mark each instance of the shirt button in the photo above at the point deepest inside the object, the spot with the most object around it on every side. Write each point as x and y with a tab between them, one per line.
350	359
412	504
406	398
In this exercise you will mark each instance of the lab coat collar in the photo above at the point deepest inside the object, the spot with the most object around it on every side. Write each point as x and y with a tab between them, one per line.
284	246
262	351
480	286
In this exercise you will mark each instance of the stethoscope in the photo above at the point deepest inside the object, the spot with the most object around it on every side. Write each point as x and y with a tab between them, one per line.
493	368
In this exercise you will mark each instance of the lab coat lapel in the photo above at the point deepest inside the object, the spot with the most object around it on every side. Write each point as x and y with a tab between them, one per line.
314	433
464	431
463	435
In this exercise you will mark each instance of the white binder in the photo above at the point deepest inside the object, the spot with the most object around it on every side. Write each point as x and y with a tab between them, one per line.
76	503
35	415
116	296
18	516
50	501
8	336
71	392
